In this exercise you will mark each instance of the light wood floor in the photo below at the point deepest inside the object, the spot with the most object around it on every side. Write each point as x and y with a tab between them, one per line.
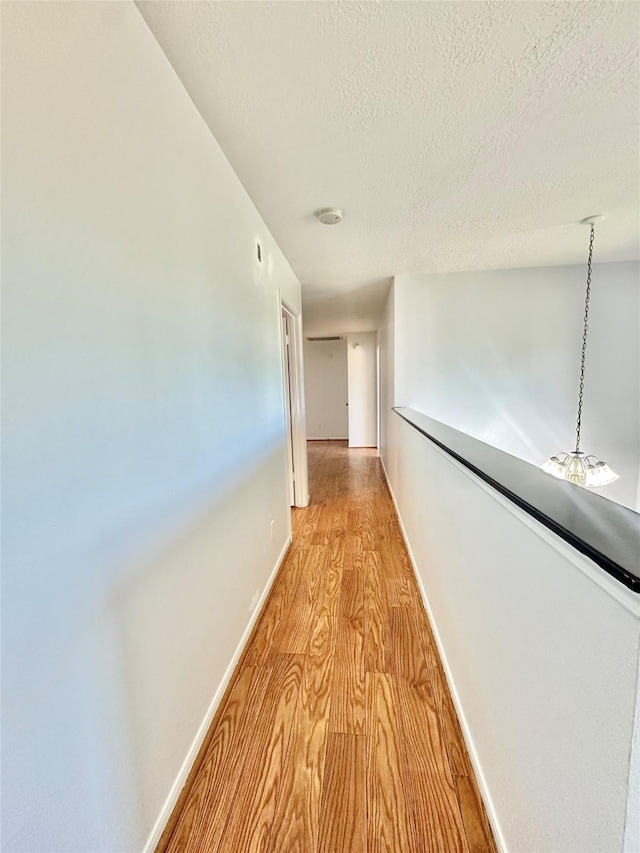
338	732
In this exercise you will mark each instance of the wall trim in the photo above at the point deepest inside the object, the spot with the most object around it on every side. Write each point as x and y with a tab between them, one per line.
557	507
195	754
631	840
466	733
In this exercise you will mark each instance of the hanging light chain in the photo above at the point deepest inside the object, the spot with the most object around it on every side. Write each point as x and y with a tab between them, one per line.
587	471
584	339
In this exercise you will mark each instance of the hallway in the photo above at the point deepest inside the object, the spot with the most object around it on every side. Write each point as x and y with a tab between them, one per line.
338	732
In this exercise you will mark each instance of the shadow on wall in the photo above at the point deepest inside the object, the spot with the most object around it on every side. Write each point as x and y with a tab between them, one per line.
486	368
499	425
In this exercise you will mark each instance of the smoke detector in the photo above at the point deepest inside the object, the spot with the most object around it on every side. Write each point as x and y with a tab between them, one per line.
329	215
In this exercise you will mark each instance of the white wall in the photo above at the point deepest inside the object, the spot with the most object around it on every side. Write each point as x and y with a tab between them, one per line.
496	354
386	350
540	645
144	448
326	393
363	389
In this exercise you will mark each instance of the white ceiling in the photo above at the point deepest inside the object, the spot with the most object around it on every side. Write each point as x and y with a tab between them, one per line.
454	135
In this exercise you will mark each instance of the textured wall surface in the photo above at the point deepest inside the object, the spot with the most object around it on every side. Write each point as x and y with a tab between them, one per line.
454	135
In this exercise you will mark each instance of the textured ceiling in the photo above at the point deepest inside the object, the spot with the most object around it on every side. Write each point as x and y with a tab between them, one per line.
454	135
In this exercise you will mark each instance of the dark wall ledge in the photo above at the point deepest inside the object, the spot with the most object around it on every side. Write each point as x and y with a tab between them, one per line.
607	533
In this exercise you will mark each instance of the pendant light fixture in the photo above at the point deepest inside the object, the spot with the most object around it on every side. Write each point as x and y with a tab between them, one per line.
578	467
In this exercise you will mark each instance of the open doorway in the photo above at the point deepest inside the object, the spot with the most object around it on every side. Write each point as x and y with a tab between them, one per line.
326	386
292	372
341	383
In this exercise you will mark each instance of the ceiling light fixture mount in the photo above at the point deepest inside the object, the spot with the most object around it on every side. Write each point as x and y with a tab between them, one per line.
577	467
329	215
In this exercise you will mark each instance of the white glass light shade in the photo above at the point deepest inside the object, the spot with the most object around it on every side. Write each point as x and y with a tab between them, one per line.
599	474
554	466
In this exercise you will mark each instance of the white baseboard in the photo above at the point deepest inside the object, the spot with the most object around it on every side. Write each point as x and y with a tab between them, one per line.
187	764
473	755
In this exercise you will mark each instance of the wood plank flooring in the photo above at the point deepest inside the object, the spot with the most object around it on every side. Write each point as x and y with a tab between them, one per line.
337	732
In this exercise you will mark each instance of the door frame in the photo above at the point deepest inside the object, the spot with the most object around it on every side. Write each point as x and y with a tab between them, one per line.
378	413
298	415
